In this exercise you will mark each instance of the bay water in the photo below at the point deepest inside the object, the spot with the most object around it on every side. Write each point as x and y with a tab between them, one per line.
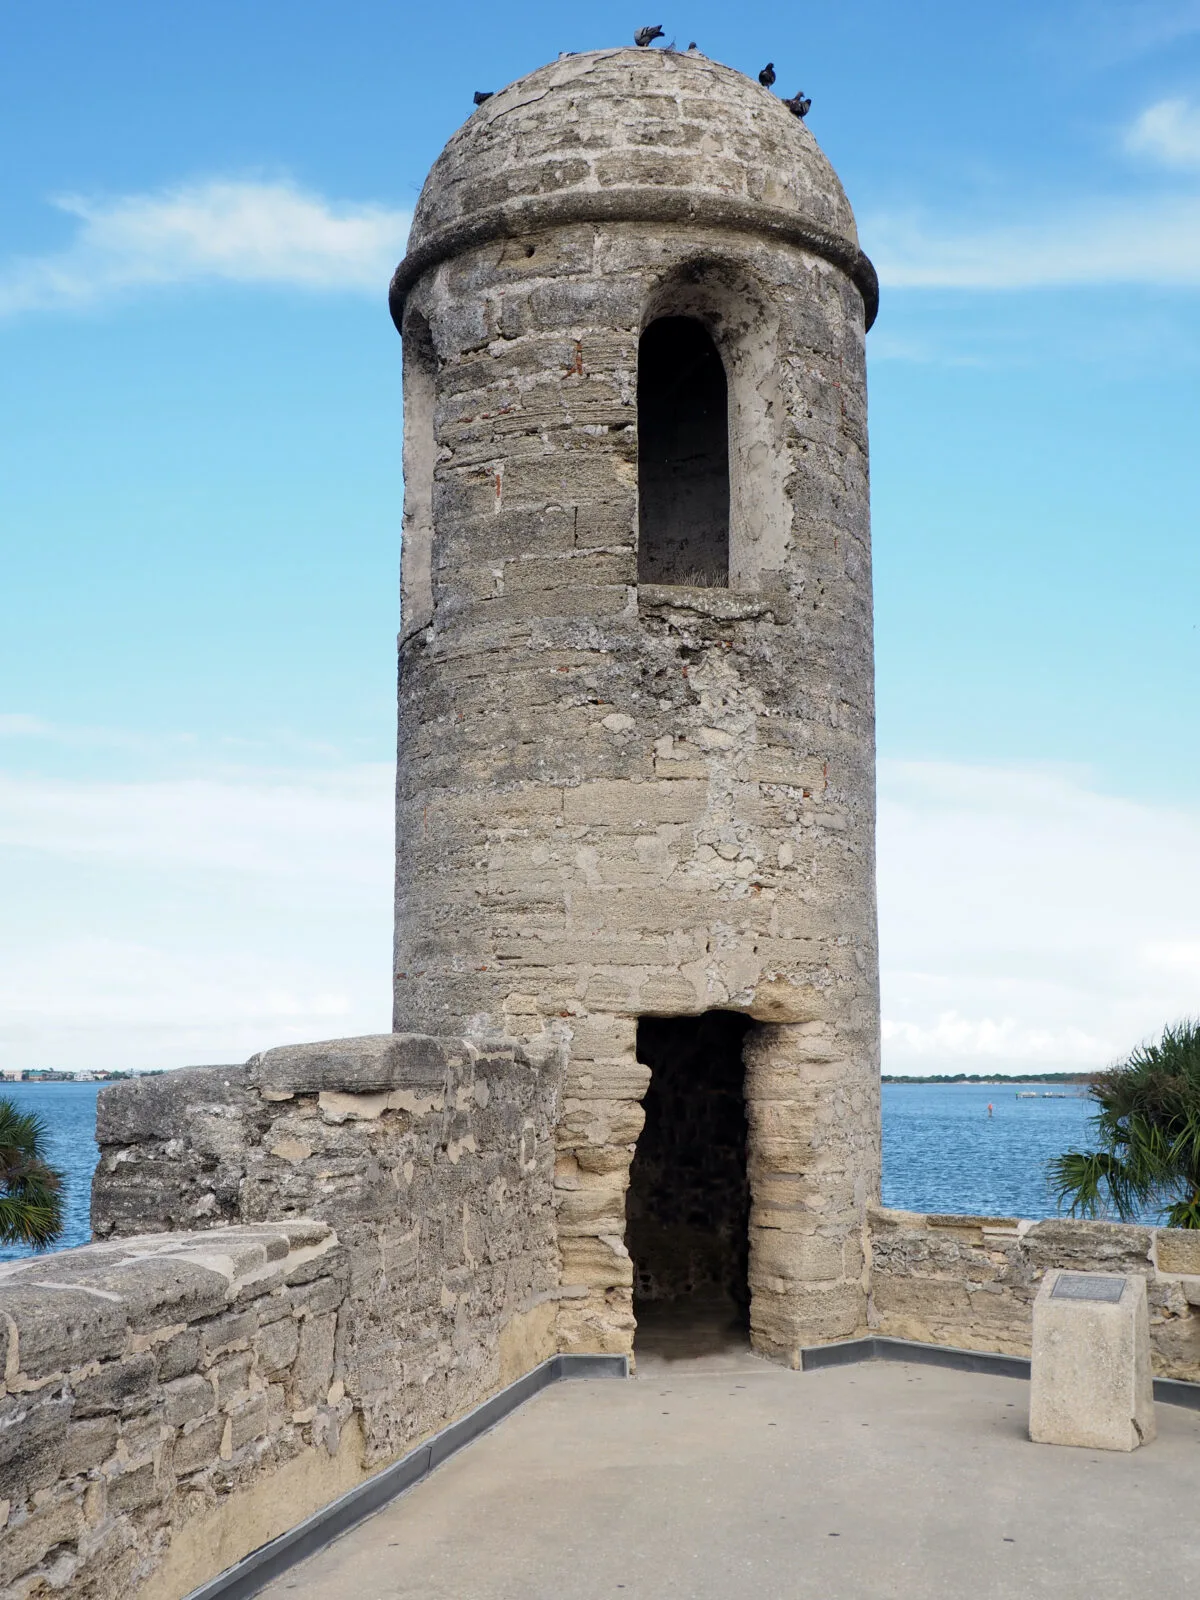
68	1111
942	1151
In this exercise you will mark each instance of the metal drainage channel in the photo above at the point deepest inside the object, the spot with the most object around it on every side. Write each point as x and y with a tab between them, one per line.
270	1560
1169	1391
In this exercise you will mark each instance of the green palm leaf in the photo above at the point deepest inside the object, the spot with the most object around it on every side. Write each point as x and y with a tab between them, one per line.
31	1199
1147	1131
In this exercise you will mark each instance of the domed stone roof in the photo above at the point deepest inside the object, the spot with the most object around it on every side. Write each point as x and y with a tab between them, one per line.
629	135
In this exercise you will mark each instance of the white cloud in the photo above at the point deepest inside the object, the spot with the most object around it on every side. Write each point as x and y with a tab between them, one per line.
1153	241
19	725
307	826
1028	922
162	923
118	1002
1149	239
218	231
1168	132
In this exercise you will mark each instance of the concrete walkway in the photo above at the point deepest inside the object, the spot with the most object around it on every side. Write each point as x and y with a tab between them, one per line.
725	1477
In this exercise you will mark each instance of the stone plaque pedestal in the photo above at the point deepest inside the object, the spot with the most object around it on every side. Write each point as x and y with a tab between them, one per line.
1091	1381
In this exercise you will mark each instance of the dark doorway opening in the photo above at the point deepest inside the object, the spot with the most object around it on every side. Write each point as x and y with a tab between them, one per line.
683	456
688	1207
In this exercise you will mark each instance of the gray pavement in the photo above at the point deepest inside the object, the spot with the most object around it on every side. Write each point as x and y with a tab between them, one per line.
721	1477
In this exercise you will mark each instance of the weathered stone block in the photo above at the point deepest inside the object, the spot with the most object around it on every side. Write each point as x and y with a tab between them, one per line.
312	1373
186	1399
596	1263
132	1490
89	1443
1177	1250
27	1542
611	802
232	1378
249	1421
124	1386
312	1299
367	1065
198	1447
178	1354
232	1332
156	1291
277	1344
1091	1380
144	1111
1102	1246
33	1434
803	1257
60	1328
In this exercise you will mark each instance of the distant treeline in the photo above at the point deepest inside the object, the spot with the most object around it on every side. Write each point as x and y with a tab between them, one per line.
53	1075
1001	1078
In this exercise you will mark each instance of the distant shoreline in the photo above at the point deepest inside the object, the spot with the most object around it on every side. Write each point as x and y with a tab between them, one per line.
998	1081
50	1083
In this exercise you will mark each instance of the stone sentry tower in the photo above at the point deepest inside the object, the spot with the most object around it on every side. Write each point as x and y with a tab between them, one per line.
635	801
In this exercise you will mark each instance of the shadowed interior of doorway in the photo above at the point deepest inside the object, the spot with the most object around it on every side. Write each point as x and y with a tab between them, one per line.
688	1207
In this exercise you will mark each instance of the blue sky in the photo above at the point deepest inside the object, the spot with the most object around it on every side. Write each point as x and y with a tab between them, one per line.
200	502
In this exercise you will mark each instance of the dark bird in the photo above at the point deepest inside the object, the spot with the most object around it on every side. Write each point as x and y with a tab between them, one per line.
483	94
645	36
767	76
799	105
692	46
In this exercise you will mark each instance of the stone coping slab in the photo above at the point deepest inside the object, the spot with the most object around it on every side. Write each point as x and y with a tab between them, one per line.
370	1064
63	1310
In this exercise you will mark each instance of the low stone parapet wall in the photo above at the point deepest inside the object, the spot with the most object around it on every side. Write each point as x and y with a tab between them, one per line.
308	1264
432	1158
152	1385
971	1281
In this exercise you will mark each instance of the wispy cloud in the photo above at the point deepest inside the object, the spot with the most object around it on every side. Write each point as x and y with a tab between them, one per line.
1154	241
212	232
338	825
20	725
1168	132
1028	922
164	922
1151	239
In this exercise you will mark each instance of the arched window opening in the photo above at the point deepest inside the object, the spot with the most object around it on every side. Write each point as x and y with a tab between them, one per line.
683	456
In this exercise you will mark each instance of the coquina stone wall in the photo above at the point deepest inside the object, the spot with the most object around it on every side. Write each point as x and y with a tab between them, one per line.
174	1398
615	798
169	1403
972	1281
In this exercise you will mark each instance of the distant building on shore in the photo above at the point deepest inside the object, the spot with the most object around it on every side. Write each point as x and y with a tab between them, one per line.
53	1075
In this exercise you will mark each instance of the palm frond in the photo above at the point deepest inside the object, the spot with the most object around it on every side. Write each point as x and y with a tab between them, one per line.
21	1130
31	1191
1147	1132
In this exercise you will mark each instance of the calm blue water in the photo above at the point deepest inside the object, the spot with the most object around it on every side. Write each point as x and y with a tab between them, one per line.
941	1150
69	1112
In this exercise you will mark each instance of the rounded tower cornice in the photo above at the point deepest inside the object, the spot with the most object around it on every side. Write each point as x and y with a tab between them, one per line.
633	136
